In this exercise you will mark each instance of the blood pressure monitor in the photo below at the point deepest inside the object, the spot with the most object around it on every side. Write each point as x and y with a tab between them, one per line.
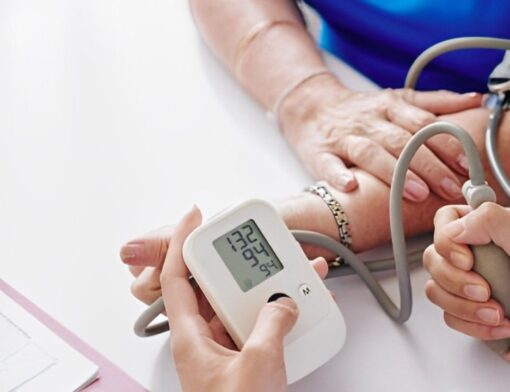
245	257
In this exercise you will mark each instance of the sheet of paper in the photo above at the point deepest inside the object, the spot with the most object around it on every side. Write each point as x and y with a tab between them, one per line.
32	358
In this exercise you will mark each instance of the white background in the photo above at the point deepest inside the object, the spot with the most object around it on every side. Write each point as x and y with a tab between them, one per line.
114	120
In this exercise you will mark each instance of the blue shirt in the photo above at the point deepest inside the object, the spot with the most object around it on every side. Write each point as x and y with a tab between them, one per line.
381	38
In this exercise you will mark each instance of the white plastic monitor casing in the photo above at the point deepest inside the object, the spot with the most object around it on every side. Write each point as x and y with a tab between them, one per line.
319	332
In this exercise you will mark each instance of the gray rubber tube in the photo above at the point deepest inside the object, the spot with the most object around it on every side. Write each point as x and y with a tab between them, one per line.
447	46
491	143
143	326
398	313
490	261
501	71
476	174
354	264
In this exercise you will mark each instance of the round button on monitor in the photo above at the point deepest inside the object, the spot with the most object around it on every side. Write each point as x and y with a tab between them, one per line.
275	296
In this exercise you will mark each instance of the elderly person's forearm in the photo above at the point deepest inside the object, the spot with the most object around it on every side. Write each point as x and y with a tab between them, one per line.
263	42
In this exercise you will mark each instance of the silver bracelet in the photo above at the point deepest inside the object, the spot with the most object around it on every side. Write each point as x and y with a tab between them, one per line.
320	189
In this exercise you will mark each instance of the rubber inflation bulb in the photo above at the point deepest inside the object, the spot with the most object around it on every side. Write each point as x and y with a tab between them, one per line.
493	264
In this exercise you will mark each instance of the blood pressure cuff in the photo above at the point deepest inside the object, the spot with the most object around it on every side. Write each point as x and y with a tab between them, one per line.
502	72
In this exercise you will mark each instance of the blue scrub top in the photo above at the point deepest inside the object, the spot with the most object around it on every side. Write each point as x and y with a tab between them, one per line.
381	38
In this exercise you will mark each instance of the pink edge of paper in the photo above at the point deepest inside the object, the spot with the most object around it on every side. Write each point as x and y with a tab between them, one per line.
111	377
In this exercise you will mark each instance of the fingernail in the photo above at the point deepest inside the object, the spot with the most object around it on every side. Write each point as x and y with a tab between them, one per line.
471	95
463	162
488	315
453	229
476	292
130	252
451	188
500	332
286	301
345	180
415	190
460	260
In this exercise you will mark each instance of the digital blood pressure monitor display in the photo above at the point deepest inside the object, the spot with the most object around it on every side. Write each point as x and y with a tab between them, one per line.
242	258
248	255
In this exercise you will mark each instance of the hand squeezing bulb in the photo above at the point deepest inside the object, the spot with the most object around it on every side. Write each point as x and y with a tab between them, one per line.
491	262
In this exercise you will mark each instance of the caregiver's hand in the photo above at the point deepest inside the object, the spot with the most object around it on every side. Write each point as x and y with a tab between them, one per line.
205	357
145	255
331	128
461	293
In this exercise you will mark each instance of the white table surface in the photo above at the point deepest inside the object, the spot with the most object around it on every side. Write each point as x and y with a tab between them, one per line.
114	119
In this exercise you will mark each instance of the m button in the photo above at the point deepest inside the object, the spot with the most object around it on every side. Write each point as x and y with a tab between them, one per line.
305	290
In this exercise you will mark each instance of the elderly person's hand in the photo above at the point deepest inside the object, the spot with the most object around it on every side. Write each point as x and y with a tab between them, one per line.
331	128
266	46
462	293
206	358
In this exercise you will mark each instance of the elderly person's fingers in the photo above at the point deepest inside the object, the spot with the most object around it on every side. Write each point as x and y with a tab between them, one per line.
442	101
416	109
332	169
447	148
340	129
375	159
450	151
432	170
